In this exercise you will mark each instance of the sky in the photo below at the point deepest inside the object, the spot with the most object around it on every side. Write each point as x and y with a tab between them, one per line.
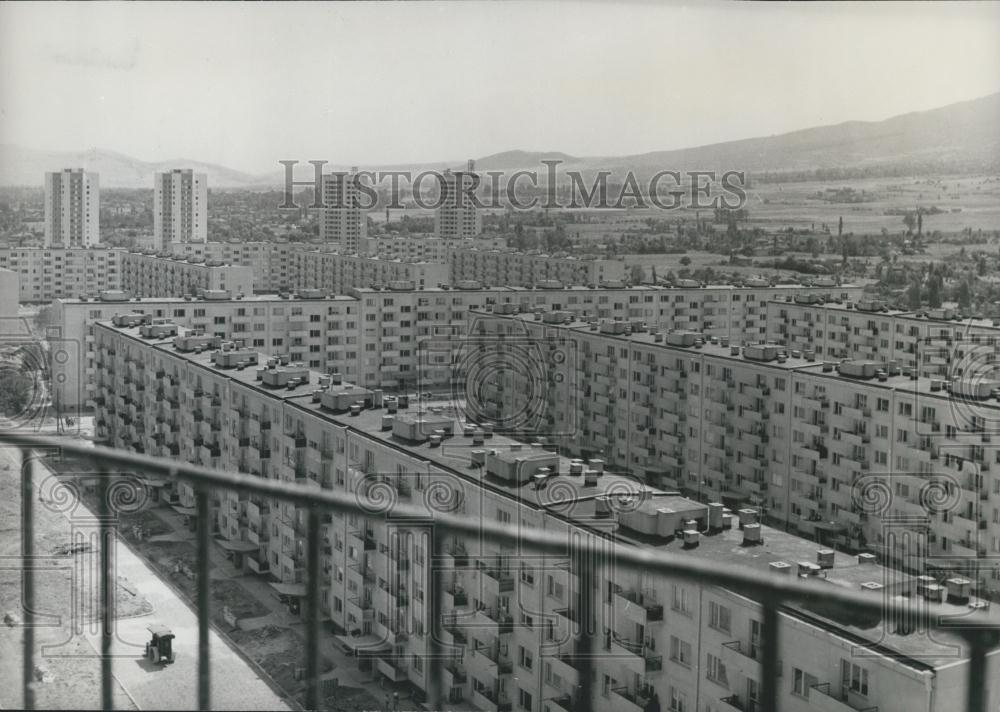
248	84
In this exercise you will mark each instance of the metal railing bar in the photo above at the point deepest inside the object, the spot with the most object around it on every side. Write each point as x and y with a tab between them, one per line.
313	698
437	697
583	565
769	665
28	577
204	664
980	642
678	566
107	587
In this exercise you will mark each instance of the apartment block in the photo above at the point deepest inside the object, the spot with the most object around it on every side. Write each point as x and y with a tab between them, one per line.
335	272
270	260
150	273
401	337
527	269
508	620
849	454
72	209
180	207
458	217
933	342
343	221
45	274
428	248
10	292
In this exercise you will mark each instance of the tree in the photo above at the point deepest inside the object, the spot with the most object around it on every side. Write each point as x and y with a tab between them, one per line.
840	226
920	223
909	221
913	294
685	261
654	274
637	274
964	295
934	292
15	392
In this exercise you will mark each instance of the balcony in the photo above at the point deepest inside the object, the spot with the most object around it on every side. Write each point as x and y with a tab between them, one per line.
392	669
822	698
628	699
367	539
457	672
564	702
494	620
503	578
735	703
458	596
736	656
639	607
456	629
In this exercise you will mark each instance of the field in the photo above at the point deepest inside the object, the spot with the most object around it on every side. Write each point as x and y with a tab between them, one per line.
967	202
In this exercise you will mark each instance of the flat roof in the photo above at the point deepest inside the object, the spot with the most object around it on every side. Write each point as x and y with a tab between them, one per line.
922	385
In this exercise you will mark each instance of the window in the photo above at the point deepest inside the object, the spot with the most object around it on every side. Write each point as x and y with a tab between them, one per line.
678	700
801	682
680	651
716	670
855	678
681	602
524	658
524	698
719	617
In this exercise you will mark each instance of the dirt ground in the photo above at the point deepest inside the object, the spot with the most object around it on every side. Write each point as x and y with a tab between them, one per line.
71	665
279	651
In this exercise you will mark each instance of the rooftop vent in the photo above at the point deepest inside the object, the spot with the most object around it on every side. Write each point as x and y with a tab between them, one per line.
825	558
752	535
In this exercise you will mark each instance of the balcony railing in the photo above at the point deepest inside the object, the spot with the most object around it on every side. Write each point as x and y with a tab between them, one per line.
978	630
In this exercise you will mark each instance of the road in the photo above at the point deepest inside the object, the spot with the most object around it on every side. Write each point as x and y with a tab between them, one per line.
235	684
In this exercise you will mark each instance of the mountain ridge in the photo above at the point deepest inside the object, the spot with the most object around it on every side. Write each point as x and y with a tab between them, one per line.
963	133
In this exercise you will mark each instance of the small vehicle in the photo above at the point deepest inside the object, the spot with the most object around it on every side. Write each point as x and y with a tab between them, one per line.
160	649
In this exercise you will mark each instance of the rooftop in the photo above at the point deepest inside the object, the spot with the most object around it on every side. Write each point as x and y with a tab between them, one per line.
792	360
917	649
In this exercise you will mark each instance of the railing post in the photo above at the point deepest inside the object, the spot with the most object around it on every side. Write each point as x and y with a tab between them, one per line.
28	577
204	662
313	697
584	566
769	691
437	557
980	642
107	589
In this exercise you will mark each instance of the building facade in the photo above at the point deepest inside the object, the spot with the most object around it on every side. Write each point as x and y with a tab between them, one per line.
508	621
934	342
525	269
45	274
72	209
458	216
150	274
847	453
180	207
343	221
401	338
